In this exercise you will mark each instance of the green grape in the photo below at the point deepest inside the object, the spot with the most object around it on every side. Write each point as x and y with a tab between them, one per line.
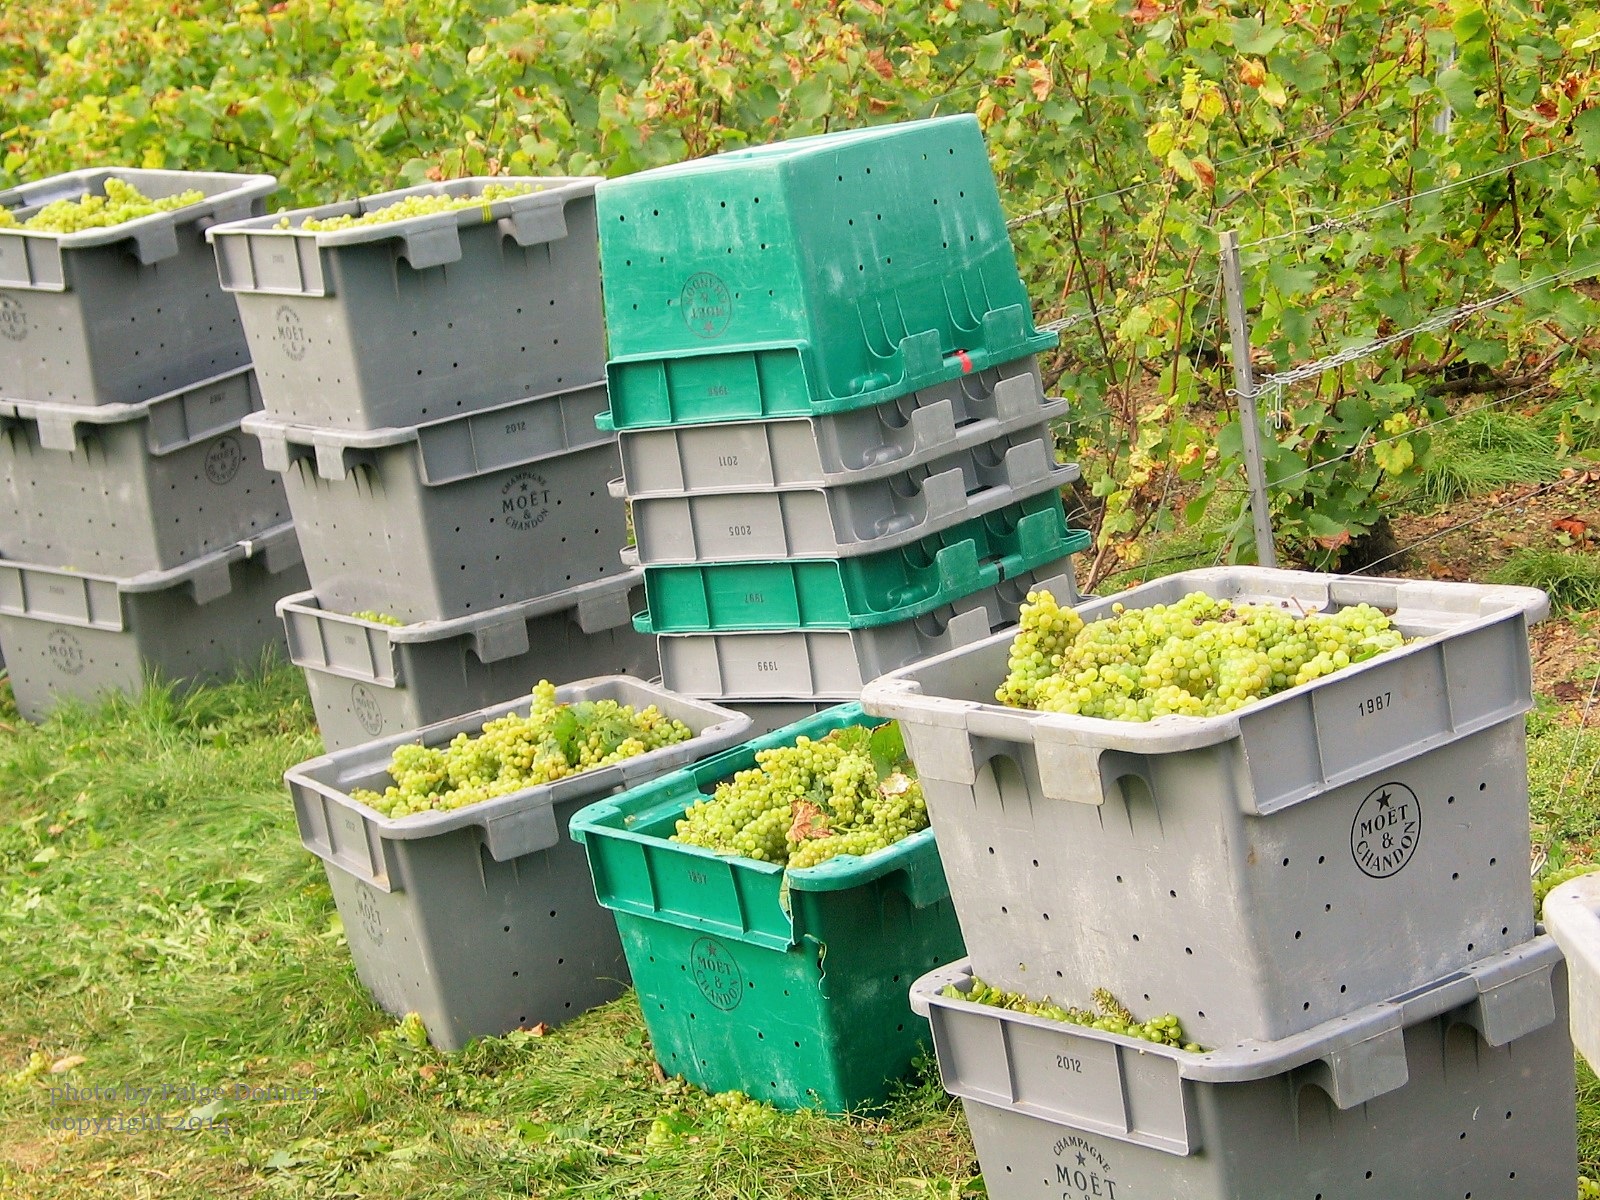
1108	1014
516	752
377	618
8	219
1551	880
121	202
1198	657
413	206
802	804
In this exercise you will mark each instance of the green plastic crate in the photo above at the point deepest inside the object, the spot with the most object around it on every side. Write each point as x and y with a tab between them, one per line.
809	276
857	593
791	987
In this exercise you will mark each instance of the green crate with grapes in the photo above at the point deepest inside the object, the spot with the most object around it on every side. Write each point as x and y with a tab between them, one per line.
775	903
108	291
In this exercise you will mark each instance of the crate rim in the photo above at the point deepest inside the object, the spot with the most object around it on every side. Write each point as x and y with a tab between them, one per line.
896	695
421	826
248	186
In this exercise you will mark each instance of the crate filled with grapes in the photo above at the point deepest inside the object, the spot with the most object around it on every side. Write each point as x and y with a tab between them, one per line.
372	675
1462	1088
775	903
108	291
462	898
1256	799
421	303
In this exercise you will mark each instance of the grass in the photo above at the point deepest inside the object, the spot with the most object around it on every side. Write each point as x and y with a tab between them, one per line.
162	925
1571	577
1484	450
161	920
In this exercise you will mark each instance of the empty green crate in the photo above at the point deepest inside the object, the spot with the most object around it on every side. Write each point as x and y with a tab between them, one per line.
835	664
856	593
809	276
125	312
790	986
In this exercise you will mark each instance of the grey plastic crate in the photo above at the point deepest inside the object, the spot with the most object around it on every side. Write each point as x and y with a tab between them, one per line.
832	665
454	517
850	447
1461	1088
410	321
1255	873
483	919
1572	915
120	314
68	634
840	522
368	679
129	488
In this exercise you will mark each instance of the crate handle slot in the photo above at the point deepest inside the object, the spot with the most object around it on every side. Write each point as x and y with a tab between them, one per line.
57	430
540	223
158	241
525	831
497	641
435	247
1358	1073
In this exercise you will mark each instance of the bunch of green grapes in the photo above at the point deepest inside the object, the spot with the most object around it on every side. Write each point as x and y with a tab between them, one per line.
515	752
1108	1014
1198	657
377	618
414	206
851	792
121	202
1551	880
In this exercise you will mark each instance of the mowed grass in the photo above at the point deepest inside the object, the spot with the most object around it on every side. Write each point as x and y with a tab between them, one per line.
159	919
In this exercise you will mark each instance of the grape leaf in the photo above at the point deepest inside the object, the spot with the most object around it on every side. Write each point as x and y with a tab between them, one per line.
889	751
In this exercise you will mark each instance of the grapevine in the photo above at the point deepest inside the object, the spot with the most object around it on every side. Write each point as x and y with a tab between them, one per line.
121	202
851	792
1198	657
413	206
515	752
1551	880
377	618
1108	1014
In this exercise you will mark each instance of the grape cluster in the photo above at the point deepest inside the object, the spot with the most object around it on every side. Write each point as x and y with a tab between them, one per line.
1551	880
515	752
1198	657
851	792
377	618
1108	1014
121	202
413	206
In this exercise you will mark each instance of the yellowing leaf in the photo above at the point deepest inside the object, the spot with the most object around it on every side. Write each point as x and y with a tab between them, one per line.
1161	139
1272	91
1394	457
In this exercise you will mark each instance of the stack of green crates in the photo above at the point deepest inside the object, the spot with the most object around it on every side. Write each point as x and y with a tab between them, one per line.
834	435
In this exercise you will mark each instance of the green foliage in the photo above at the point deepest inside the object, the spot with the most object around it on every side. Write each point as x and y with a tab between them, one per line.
1572	577
1125	135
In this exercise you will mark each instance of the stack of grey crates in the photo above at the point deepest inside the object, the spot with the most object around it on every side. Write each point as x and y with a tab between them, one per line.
140	533
1328	887
430	387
